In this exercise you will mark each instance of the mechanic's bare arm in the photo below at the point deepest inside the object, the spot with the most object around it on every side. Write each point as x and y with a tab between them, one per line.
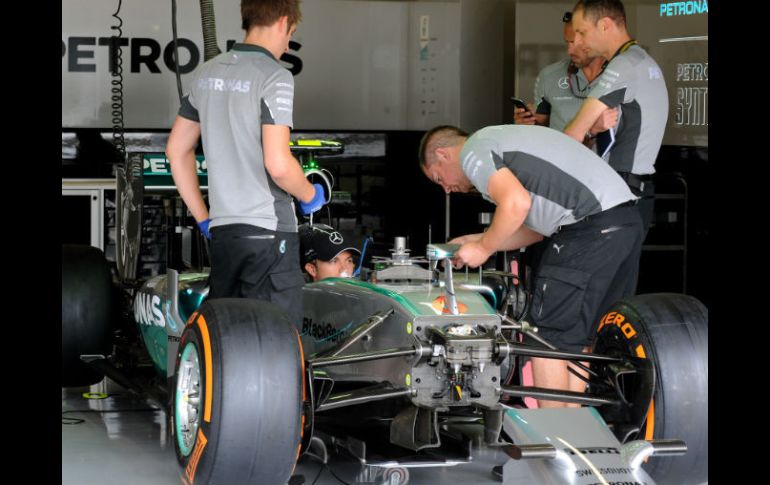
590	111
284	169
513	203
521	239
180	151
466	238
605	121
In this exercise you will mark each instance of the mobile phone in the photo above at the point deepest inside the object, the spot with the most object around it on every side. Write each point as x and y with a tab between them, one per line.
520	104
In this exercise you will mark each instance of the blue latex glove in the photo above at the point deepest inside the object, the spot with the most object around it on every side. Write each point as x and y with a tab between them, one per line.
204	227
319	199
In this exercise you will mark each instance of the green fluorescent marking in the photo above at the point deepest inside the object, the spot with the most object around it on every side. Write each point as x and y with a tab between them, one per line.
524	425
178	402
596	415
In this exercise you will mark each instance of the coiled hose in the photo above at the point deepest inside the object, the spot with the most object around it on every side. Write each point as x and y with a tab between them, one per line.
208	23
116	97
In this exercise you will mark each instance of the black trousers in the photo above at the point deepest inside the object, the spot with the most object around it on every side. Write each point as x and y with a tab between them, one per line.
646	207
642	186
584	268
252	262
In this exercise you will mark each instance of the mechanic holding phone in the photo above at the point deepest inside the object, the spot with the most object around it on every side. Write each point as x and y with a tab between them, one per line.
560	89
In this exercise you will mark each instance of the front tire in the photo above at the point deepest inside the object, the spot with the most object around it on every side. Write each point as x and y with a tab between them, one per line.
672	331
238	394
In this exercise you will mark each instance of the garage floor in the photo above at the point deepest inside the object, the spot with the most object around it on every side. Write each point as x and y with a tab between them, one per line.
123	440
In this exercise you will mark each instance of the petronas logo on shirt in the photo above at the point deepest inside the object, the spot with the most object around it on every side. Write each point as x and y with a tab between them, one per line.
282	247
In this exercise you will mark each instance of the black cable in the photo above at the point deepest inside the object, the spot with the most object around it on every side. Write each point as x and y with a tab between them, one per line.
79	420
343	482
118	138
320	470
176	51
325	466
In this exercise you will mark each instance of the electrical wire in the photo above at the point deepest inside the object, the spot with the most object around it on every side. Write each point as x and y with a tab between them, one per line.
79	420
176	51
320	470
343	482
324	466
118	138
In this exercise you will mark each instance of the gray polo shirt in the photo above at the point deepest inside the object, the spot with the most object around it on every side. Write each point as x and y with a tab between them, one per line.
633	80
232	96
555	97
566	180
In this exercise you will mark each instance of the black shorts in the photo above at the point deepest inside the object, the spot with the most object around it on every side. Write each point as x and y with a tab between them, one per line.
584	268
252	262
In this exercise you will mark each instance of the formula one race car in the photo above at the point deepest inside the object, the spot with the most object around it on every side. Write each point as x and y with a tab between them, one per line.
393	367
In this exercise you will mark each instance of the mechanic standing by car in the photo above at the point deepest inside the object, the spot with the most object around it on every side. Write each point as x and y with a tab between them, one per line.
632	80
241	103
546	185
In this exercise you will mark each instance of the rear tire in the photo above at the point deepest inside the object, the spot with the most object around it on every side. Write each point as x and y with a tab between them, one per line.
672	331
86	303
238	417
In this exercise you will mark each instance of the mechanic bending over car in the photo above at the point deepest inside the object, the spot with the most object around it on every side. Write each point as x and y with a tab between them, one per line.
241	103
546	185
325	254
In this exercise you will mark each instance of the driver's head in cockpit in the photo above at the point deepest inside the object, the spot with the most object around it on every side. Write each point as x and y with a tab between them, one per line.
325	253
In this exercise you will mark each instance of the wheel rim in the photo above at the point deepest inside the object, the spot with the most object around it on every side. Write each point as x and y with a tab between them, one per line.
188	399
619	346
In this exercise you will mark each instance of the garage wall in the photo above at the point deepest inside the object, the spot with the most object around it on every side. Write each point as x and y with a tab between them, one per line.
358	64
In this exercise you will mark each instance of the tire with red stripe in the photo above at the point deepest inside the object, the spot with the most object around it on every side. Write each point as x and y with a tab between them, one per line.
237	394
672	331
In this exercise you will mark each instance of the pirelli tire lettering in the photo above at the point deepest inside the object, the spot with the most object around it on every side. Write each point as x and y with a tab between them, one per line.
619	320
670	331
